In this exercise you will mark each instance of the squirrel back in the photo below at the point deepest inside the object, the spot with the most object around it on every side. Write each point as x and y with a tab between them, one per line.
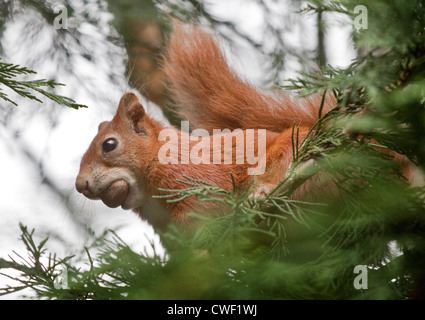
212	96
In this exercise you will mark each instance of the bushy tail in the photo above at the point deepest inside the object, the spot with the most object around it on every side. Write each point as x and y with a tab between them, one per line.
211	96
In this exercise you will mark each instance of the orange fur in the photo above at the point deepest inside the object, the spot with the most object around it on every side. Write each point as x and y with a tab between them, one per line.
211	96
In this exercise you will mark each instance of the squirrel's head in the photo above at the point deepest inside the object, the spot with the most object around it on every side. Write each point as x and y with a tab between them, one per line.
111	170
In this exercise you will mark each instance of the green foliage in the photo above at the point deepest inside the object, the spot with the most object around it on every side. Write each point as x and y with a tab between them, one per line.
38	275
8	74
362	211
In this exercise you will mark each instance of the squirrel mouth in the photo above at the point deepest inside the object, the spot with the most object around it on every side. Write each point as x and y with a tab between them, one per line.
115	194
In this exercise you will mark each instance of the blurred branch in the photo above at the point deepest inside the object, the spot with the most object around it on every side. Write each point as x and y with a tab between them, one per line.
321	40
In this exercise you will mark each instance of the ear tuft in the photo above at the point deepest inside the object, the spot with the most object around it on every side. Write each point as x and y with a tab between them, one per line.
102	125
131	109
129	99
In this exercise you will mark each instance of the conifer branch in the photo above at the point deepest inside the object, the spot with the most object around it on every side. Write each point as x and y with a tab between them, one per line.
8	75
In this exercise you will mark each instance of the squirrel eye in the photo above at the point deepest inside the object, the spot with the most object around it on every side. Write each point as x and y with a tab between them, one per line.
109	144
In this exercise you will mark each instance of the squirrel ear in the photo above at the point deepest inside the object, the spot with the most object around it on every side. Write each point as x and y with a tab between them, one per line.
131	110
102	125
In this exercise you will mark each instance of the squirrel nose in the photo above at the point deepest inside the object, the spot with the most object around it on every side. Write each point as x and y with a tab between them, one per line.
81	184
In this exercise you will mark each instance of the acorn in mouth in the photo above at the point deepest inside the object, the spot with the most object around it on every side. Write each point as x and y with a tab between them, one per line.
115	194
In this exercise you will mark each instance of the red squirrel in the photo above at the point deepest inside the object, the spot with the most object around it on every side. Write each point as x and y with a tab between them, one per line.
123	166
